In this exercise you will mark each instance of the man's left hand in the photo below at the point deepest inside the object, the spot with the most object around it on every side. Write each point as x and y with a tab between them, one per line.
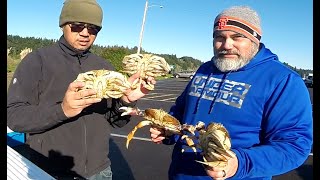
134	94
219	173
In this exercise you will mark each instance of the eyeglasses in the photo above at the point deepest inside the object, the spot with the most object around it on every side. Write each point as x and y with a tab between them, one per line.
78	27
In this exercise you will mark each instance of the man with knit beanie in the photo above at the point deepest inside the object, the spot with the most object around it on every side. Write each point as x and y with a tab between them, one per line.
67	133
264	105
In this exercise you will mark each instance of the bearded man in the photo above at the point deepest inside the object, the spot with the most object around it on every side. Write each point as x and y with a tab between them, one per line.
263	104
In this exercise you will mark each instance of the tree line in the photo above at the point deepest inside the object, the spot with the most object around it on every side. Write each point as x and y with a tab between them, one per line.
114	54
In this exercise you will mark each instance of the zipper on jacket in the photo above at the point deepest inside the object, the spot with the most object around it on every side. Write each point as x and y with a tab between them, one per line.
79	56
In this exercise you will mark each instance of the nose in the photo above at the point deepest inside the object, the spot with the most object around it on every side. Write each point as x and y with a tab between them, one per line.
228	43
84	32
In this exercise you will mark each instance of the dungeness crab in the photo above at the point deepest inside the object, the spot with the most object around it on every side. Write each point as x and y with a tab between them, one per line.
148	65
214	140
160	119
107	83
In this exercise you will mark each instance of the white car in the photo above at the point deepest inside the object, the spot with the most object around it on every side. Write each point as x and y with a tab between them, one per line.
184	74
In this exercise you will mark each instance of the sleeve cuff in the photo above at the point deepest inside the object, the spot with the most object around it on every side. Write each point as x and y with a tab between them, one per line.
238	174
59	114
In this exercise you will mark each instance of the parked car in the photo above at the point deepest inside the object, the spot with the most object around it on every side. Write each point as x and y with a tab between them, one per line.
308	82
184	74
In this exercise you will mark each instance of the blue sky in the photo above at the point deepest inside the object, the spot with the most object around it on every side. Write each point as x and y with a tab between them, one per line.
181	27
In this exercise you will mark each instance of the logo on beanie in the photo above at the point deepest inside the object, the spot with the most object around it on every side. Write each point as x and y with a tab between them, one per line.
238	25
222	23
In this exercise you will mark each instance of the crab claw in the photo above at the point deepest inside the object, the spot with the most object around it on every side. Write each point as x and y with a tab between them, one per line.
220	164
200	125
130	111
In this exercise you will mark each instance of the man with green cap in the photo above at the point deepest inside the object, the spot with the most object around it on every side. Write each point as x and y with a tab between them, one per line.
67	132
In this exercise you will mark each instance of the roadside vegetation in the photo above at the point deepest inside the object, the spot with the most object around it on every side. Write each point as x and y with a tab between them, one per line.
18	47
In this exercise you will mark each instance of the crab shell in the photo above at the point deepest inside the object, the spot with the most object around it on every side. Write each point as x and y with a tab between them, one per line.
217	133
215	143
160	119
157	118
106	83
148	65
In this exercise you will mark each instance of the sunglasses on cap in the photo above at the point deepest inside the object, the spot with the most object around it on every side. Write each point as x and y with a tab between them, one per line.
78	27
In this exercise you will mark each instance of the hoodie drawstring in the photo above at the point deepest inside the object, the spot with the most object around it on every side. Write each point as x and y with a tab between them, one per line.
214	98
198	100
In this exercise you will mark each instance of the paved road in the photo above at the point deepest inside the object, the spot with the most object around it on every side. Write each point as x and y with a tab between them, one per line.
145	160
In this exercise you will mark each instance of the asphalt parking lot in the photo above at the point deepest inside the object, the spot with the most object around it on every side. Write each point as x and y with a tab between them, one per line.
145	160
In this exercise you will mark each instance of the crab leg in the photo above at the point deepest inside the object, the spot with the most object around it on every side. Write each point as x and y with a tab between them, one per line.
220	150
140	125
214	155
220	164
189	128
189	142
220	138
131	111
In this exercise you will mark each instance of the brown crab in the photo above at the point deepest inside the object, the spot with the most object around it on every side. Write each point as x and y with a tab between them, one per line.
160	119
214	140
148	65
107	83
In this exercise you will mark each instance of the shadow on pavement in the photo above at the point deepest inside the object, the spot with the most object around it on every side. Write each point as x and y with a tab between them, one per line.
119	166
53	164
305	171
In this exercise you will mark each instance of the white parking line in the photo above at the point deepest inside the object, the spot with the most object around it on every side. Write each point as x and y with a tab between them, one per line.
123	136
162	95
149	99
148	139
159	94
174	99
179	89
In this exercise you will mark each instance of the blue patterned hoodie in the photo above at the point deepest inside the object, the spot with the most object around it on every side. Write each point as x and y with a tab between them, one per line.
266	108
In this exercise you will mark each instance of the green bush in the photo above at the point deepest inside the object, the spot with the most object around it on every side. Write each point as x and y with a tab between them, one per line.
12	63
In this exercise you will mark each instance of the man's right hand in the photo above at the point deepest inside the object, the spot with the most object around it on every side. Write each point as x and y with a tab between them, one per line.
75	101
157	135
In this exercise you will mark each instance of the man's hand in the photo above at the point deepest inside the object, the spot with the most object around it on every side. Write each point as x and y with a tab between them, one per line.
157	135
139	92
74	101
223	173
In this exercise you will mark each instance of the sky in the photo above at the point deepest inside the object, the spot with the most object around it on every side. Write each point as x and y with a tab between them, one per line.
181	27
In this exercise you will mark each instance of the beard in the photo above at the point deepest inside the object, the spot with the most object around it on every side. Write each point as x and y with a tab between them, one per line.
226	64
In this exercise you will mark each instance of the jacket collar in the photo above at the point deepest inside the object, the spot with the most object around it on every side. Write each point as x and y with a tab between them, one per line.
66	47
